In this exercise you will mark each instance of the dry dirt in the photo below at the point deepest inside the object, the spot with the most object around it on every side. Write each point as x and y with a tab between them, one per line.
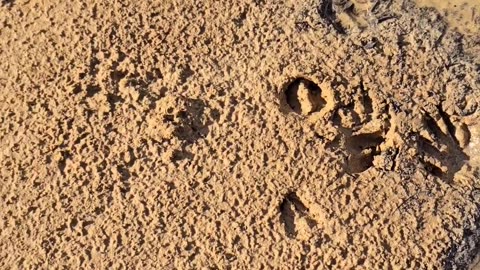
239	134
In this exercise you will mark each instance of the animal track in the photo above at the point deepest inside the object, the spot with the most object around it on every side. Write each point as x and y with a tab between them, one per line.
440	143
180	121
7	2
304	96
368	130
374	131
344	15
293	212
362	130
363	149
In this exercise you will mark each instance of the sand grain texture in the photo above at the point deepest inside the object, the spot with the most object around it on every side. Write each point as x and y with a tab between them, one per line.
237	135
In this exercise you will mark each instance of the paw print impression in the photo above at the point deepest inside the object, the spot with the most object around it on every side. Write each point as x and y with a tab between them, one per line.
346	16
363	124
296	217
375	131
304	96
439	141
177	117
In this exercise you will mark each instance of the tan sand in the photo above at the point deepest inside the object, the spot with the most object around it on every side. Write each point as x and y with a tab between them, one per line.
462	15
257	134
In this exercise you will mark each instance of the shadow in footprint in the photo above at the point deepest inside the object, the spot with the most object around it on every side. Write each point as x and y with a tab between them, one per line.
292	208
437	139
327	13
304	96
192	124
180	121
363	148
7	2
287	217
441	153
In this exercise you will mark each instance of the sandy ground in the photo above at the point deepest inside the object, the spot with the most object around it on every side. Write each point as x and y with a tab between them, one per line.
461	15
239	134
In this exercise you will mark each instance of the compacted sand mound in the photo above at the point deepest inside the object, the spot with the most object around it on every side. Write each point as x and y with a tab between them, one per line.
255	134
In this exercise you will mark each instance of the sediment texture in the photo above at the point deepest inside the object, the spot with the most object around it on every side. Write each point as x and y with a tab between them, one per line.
237	135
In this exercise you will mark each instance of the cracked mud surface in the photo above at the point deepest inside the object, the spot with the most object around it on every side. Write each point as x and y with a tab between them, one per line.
316	134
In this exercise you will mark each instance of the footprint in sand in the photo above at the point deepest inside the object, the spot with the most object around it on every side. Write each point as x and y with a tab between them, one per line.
375	131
